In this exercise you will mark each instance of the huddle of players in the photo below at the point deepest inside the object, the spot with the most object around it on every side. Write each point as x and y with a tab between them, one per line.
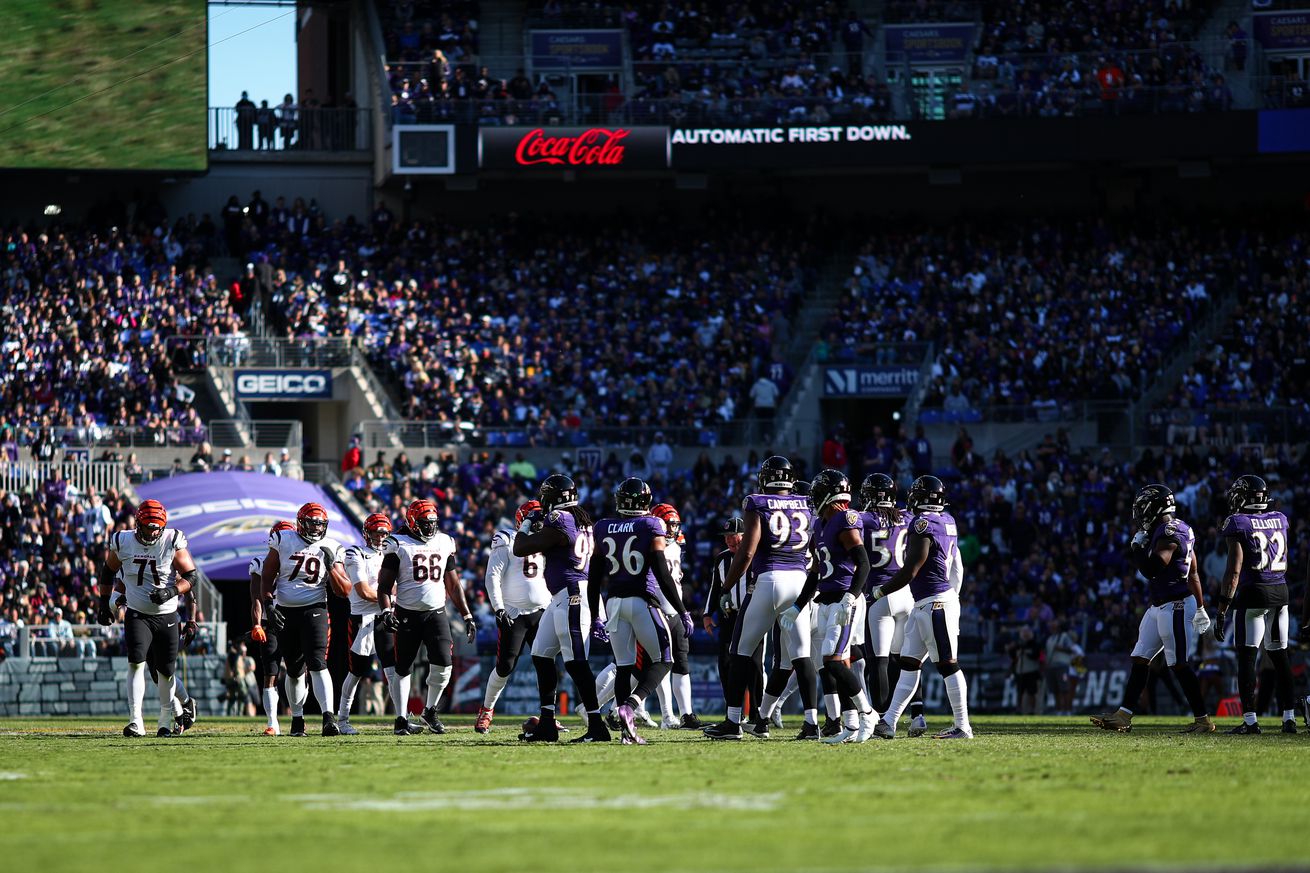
1253	588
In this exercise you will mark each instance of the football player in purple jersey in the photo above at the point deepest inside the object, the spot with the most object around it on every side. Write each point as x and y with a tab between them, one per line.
1162	549
1255	586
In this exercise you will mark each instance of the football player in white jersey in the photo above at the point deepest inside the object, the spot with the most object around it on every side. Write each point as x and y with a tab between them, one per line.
679	678
300	567
259	635
184	705
156	569
417	575
362	564
516	588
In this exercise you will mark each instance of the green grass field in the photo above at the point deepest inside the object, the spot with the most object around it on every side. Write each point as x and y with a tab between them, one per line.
1031	794
59	51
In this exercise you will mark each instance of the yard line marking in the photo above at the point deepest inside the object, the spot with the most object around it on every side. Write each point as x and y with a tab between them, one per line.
533	798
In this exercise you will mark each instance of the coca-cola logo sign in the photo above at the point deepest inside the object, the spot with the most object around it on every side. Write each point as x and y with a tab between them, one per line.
600	146
569	148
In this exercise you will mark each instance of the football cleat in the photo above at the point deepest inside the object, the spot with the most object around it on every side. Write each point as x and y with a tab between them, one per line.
1305	712
918	726
844	735
272	731
483	724
164	732
758	728
403	727
669	724
808	732
643	719
596	732
1244	730
543	731
346	728
133	730
1289	726
190	711
831	727
612	720
725	730
954	733
868	723
884	731
1202	725
690	722
628	726
330	727
297	726
1118	720
776	718
430	719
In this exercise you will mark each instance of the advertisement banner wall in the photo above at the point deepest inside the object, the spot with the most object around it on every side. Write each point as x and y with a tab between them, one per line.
571	49
283	384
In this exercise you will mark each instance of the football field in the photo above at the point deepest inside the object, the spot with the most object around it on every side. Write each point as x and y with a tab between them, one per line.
1030	794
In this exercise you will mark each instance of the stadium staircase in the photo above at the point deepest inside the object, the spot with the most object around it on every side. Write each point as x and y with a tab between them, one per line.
1216	43
500	36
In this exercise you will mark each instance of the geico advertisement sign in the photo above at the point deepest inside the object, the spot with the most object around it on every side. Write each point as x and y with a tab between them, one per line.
299	384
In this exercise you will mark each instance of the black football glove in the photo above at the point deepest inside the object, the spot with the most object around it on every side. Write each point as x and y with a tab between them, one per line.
188	632
503	620
470	628
1220	620
105	614
164	594
389	621
274	620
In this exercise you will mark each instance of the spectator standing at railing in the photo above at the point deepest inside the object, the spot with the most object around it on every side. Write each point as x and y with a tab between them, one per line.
97	522
853	33
270	467
660	456
354	456
266	124
246	112
291	469
287	121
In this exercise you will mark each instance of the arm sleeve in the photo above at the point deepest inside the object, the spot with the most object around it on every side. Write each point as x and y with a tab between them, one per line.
595	580
861	571
811	585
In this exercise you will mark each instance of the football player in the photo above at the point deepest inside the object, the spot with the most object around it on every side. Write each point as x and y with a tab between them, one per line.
775	545
516	588
362	564
419	564
634	570
157	568
726	601
1162	550
185	708
300	568
678	681
886	529
932	569
837	584
259	634
1255	586
564	539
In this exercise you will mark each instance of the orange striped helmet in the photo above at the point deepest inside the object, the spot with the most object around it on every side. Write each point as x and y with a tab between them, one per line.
280	526
525	510
421	516
672	521
151	518
377	527
312	522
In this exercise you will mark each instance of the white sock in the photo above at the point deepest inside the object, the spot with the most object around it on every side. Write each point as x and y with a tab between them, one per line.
270	705
768	705
398	686
831	704
734	714
1126	711
298	692
495	685
1249	717
1289	715
789	689
136	692
166	701
857	667
664	691
180	694
605	685
811	716
957	691
682	692
850	719
862	702
348	687
438	678
323	690
905	686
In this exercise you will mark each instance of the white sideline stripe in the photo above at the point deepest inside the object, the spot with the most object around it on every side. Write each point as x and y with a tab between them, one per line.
529	798
10	775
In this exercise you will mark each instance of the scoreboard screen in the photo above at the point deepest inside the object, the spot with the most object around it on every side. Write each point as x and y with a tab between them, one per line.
103	85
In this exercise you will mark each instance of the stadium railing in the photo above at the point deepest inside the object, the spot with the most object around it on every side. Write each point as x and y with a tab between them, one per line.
277	352
31	475
89	641
1034	413
387	434
1231	426
91	436
325	129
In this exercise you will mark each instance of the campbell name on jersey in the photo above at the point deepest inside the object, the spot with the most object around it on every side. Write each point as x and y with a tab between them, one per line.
302	568
836	561
566	565
786	528
147	567
1170	583
361	564
421	569
516	585
885	543
624	548
940	572
1262	581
